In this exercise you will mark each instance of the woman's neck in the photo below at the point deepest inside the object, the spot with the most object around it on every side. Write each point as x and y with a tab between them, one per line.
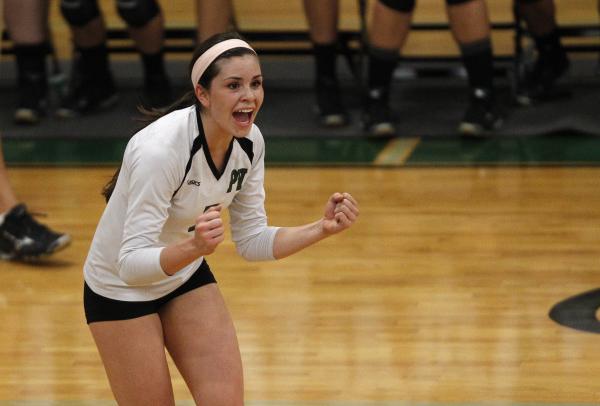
217	140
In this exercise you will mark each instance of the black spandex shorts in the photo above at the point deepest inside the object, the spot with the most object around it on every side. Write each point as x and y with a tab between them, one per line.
100	308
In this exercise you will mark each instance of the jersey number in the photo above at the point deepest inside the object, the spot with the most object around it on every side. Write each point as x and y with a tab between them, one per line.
237	178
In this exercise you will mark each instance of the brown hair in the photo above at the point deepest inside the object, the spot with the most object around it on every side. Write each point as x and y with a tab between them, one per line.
148	116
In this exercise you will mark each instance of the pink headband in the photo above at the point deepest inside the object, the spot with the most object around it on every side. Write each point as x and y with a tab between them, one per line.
213	53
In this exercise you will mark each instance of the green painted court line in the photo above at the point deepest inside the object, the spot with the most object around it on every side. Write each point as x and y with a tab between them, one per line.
561	149
397	151
322	150
558	149
61	152
280	151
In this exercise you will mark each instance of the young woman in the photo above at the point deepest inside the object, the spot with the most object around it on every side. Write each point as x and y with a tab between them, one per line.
147	283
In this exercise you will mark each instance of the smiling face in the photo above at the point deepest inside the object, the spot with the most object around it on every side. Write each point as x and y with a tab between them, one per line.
234	97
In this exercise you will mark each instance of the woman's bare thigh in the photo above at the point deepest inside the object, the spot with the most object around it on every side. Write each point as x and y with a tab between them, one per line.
200	336
134	358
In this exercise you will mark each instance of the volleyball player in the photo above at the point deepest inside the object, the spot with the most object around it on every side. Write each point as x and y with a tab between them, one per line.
551	61
322	18
147	283
213	17
388	31
22	237
92	86
27	25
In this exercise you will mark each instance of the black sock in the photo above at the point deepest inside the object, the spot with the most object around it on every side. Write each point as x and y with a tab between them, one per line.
153	64
94	61
548	44
325	62
382	63
478	60
31	62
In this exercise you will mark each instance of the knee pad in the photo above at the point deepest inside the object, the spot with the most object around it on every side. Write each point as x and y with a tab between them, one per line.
456	2
79	12
403	6
137	13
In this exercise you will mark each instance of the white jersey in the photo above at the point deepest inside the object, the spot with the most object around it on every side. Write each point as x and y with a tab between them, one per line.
167	180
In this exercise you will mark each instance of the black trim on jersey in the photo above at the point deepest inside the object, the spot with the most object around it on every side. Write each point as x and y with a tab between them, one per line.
216	172
211	164
196	145
246	145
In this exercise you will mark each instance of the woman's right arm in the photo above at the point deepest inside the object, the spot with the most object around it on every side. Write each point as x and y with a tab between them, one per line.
209	233
151	174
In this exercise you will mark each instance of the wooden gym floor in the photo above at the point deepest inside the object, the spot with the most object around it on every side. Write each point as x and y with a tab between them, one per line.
438	296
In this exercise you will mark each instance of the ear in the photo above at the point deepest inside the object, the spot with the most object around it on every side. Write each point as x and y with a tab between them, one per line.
202	95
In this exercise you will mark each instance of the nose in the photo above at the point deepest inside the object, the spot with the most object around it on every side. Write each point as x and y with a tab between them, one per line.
249	93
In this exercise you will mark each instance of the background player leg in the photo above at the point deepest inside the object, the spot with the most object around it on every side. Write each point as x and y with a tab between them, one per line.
145	22
551	61
213	17
26	22
21	236
471	29
322	17
389	29
92	86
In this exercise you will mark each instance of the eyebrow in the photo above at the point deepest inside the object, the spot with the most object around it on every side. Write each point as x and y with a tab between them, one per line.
239	78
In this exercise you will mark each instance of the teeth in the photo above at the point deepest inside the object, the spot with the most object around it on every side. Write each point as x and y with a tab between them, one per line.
244	111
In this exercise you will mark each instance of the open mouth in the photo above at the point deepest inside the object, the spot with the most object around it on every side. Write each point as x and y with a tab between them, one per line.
243	116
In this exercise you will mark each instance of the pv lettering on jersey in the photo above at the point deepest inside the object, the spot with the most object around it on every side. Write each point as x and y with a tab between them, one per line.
237	178
193	182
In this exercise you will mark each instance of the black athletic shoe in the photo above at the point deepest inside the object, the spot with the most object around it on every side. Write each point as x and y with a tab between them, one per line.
329	106
88	95
33	89
482	116
539	83
377	117
22	237
157	92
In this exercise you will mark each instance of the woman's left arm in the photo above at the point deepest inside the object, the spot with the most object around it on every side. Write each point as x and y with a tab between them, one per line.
341	211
